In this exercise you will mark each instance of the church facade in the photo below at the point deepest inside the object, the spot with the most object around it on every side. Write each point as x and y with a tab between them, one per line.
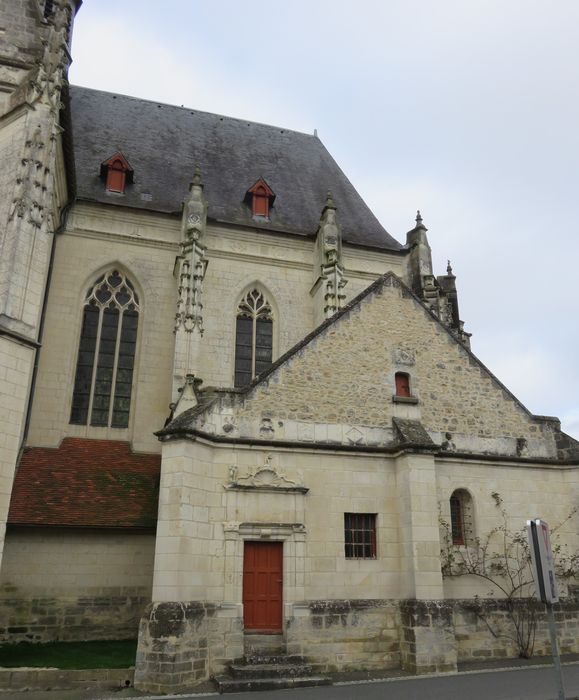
235	408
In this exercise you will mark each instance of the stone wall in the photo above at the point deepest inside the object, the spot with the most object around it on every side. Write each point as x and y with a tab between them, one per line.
16	361
143	246
484	631
98	613
74	585
345	375
427	640
340	635
182	644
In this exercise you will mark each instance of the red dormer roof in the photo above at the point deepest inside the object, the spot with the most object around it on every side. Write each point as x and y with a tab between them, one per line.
118	171
261	197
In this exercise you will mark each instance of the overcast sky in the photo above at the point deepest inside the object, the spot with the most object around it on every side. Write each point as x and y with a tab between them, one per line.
465	109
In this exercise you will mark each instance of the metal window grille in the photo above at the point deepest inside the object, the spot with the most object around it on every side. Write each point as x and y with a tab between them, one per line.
360	535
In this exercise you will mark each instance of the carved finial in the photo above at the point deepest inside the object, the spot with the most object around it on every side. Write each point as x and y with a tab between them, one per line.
329	201
418	217
197	180
449	268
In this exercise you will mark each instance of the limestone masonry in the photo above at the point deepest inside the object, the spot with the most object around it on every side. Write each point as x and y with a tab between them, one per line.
237	414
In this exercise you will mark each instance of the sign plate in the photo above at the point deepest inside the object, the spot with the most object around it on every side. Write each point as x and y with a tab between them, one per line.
543	561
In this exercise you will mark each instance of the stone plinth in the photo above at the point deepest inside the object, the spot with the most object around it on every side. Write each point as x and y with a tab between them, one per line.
182	644
427	643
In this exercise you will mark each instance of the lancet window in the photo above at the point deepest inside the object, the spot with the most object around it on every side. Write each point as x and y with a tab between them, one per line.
461	517
106	355
253	337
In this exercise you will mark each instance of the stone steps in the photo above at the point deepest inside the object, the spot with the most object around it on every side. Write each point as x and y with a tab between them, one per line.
225	684
266	667
270	670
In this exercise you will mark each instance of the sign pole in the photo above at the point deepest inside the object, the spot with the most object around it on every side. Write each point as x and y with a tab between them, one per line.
543	565
555	652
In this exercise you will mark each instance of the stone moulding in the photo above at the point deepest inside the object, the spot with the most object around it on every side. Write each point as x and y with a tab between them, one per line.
267	477
266	488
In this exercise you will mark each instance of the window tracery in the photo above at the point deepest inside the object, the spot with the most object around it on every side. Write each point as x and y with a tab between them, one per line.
106	355
253	337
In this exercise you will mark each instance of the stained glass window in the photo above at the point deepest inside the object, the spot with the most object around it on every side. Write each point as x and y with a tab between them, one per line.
106	355
253	337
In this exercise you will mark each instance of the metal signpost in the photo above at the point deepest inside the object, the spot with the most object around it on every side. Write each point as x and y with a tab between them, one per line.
545	585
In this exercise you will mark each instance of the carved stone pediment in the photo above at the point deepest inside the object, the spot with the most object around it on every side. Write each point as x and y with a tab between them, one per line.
266	477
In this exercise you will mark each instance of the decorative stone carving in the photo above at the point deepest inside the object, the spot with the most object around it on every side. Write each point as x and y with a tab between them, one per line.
522	447
229	425
45	81
329	270
266	428
404	357
355	437
32	180
192	263
448	444
31	202
265	477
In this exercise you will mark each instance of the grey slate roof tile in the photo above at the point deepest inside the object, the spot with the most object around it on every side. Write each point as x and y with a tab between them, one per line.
163	144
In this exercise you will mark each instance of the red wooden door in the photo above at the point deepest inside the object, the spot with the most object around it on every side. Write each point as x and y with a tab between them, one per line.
262	586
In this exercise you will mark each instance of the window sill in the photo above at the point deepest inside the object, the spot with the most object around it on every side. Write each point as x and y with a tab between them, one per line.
404	399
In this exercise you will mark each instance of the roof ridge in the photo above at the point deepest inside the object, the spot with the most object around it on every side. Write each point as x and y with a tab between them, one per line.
193	110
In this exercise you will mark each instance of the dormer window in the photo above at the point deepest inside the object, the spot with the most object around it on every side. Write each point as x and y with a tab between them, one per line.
116	171
260	197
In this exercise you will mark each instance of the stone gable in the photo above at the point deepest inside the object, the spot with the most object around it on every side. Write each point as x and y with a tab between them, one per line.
345	375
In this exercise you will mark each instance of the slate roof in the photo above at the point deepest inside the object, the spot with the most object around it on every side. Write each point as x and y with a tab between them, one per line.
163	144
86	483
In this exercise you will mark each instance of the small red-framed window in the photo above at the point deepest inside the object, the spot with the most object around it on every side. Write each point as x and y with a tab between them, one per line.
260	197
260	203
116	171
116	177
402	382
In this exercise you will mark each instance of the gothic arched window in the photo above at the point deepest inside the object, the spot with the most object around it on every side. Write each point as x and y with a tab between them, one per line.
106	354
253	337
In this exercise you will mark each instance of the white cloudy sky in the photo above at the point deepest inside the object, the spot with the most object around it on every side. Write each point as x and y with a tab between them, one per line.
465	109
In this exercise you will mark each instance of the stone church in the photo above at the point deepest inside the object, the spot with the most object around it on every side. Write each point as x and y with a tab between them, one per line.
234	408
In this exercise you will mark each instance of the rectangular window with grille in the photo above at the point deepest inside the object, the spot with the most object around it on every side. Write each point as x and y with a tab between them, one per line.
360	535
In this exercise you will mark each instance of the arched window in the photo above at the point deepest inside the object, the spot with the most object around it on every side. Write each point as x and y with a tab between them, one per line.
402	381
106	354
253	337
461	518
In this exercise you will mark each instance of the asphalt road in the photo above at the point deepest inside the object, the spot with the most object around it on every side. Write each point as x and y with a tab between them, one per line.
519	684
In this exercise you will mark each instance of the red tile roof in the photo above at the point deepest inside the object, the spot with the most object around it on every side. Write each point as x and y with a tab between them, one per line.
86	483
